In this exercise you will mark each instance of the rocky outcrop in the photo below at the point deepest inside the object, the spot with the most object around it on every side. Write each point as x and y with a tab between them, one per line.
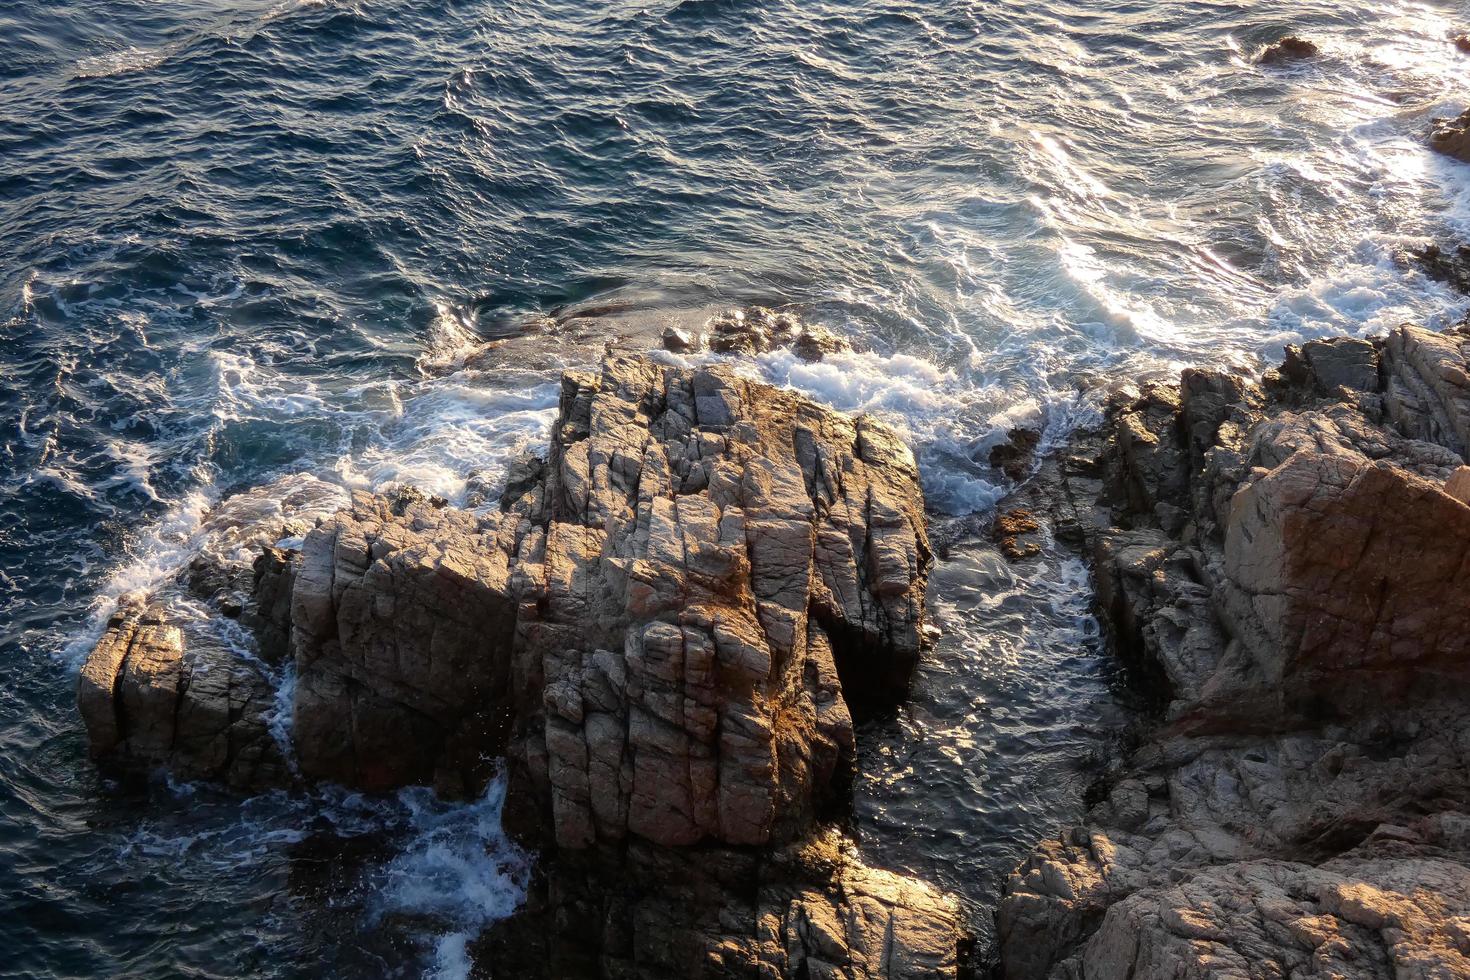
160	692
167	686
664	627
806	910
1452	136
1287	563
757	330
1449	265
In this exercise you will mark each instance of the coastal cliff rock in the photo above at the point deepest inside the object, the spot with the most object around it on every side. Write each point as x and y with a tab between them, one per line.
165	686
1286	563
664	628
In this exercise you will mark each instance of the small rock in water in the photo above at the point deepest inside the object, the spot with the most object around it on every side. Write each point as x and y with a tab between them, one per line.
679	341
1014	456
1289	48
1462	42
1015	531
1447	265
1452	136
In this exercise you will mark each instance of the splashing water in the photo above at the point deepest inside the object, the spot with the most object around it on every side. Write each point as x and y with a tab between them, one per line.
247	239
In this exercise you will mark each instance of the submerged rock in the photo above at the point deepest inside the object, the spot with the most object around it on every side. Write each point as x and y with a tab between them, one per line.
1017	454
1287	563
1446	265
1289	48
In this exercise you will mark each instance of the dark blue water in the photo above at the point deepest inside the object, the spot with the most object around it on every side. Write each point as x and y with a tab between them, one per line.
246	239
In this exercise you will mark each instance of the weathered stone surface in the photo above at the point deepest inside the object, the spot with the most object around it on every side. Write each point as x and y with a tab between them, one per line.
663	627
812	910
157	693
166	687
402	623
715	553
1452	136
1289	564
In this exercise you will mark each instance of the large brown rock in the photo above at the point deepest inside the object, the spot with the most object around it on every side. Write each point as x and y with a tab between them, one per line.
715	553
402	623
160	694
1452	136
665	628
1289	564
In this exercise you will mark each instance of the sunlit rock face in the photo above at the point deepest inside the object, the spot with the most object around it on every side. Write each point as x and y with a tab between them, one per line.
1287	563
167	684
664	629
714	552
1452	136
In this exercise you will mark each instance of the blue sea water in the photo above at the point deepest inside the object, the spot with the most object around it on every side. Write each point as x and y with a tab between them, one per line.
246	239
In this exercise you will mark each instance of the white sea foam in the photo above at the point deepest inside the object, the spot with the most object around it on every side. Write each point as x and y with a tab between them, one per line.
458	870
452	337
119	62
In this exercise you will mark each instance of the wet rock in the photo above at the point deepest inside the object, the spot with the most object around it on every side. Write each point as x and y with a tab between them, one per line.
1452	136
1446	265
270	615
158	693
1288	49
1017	454
1285	563
233	532
757	330
816	342
680	341
1462	43
1016	531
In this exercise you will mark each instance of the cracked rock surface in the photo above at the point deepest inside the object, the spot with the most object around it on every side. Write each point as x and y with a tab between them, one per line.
1288	563
664	628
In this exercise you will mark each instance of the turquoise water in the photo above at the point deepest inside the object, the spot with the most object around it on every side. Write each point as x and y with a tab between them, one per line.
246	239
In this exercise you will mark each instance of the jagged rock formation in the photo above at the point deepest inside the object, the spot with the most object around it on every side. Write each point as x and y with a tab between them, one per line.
166	686
1288	563
664	628
757	330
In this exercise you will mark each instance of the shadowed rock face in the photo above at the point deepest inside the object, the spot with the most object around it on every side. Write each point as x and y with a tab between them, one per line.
662	629
1289	564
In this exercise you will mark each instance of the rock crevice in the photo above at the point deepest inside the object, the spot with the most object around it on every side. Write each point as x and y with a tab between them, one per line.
1288	561
664	629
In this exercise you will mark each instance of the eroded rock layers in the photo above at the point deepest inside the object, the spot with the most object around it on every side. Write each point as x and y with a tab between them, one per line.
663	630
1291	563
